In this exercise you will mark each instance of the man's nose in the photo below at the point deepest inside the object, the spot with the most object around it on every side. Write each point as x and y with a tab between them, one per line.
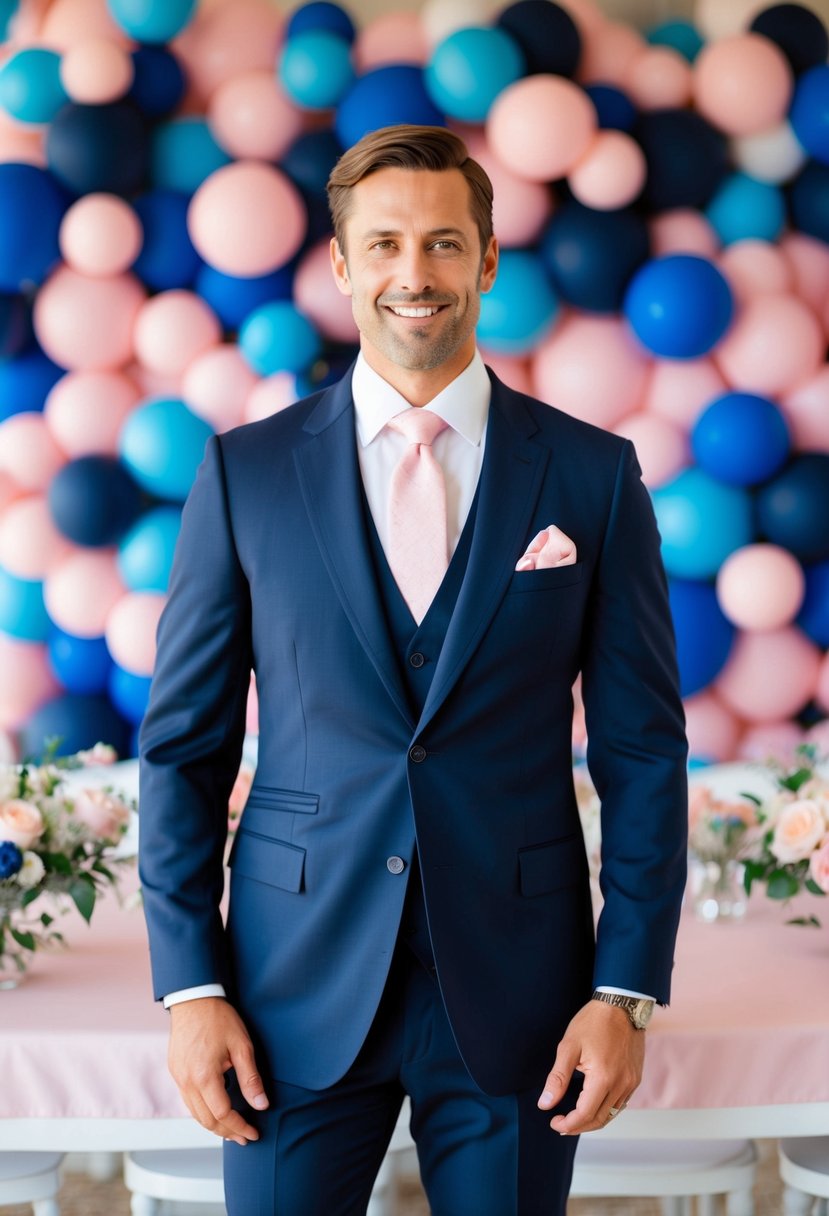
414	271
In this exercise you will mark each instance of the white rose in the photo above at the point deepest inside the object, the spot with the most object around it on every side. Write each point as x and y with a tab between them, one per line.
20	822
9	783
32	870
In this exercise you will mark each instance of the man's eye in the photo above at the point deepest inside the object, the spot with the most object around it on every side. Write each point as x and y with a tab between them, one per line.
446	245
381	245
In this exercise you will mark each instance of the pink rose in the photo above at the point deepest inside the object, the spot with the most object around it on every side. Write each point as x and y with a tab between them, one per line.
819	866
105	815
799	829
21	822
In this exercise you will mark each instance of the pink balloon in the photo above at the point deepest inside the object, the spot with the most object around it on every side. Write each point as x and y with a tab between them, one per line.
609	50
683	231
806	409
568	374
152	383
69	22
100	235
247	219
771	741
822	692
271	395
712	729
514	372
82	590
86	410
755	268
8	748
539	127
30	544
226	39
761	587
769	674
661	446
520	208
809	261
130	630
28	453
742	84
658	79
96	71
21	144
316	295
172	328
217	384
611	173
774	344
27	680
587	14
679	390
251	116
391	38
10	491
84	323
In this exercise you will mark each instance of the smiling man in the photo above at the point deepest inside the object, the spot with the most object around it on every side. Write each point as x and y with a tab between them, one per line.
417	563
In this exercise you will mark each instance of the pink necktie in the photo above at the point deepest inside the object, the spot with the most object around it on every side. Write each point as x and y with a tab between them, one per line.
418	553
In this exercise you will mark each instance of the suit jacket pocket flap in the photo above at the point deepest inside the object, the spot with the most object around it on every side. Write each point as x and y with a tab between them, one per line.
283	800
551	866
270	861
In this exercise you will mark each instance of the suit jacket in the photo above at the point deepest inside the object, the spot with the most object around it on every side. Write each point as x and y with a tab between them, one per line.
273	572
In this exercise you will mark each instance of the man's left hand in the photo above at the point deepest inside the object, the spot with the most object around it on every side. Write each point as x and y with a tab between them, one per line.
603	1045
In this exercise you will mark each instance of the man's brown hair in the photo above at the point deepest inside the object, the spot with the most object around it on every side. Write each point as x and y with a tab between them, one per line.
409	147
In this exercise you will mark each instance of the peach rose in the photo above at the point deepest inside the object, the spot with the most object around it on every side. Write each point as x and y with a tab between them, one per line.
105	815
819	866
20	822
799	829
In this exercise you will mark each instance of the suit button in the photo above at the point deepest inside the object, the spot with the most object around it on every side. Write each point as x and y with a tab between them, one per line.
417	754
395	865
417	659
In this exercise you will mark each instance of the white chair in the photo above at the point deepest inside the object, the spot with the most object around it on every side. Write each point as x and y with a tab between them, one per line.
675	1171
804	1168
31	1178
189	1175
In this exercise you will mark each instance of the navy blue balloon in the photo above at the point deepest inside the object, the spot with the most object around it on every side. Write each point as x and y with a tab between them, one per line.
614	109
326	371
321	15
233	299
704	634
32	205
168	257
591	255
813	617
99	148
546	33
77	722
800	34
25	382
741	439
687	158
809	201
15	325
158	83
310	159
793	508
93	500
385	97
130	693
81	664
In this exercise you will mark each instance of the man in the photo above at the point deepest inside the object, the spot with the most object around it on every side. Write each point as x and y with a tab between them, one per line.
417	563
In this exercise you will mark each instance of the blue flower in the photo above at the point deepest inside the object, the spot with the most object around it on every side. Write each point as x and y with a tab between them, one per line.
11	859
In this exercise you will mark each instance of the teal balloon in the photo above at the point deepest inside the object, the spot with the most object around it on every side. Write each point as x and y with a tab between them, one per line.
744	208
701	521
145	555
8	8
183	153
162	444
152	20
22	611
680	36
470	68
277	338
521	307
316	69
30	87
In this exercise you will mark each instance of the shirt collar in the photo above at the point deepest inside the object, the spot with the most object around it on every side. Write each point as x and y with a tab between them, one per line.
463	404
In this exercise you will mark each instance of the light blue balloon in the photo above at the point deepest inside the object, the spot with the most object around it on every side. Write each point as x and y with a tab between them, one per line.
316	69
680	36
162	445
521	307
30	87
701	521
277	338
183	153
145	555
744	208
152	20
22	611
470	68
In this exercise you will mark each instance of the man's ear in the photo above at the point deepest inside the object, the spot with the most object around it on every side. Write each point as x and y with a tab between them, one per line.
489	266
339	268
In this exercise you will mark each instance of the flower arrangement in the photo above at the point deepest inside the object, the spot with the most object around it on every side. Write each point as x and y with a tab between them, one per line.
52	842
718	830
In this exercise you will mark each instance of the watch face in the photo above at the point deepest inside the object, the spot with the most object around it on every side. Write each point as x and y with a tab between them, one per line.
642	1013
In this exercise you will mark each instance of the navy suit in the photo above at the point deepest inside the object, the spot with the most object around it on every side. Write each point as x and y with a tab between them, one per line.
275	570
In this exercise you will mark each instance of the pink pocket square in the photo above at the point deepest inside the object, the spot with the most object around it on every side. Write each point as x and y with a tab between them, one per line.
549	548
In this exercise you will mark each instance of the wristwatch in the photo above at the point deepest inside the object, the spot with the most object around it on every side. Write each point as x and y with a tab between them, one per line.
638	1008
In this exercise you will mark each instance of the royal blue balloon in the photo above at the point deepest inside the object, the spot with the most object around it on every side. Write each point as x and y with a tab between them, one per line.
22	612
679	306
546	33
385	97
315	69
614	109
25	382
809	201
30	87
145	555
277	338
741	439
320	15
592	255
82	665
100	148
76	722
470	68
704	634
800	34
813	617
183	153
687	158
93	500
793	508
680	36
168	257
233	299
521	307
158	83
701	522
152	20
310	159
809	113
32	205
15	326
162	444
130	693
744	209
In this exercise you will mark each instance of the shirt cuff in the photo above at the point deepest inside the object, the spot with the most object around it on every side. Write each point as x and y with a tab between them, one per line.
193	994
624	992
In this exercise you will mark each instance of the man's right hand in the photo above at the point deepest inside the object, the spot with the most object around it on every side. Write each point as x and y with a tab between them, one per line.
207	1037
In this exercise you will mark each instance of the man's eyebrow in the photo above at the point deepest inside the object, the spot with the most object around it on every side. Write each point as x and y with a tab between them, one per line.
385	233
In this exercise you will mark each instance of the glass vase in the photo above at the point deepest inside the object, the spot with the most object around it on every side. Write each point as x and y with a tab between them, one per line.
718	891
10	974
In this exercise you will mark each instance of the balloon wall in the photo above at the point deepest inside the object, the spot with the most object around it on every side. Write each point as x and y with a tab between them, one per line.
662	201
